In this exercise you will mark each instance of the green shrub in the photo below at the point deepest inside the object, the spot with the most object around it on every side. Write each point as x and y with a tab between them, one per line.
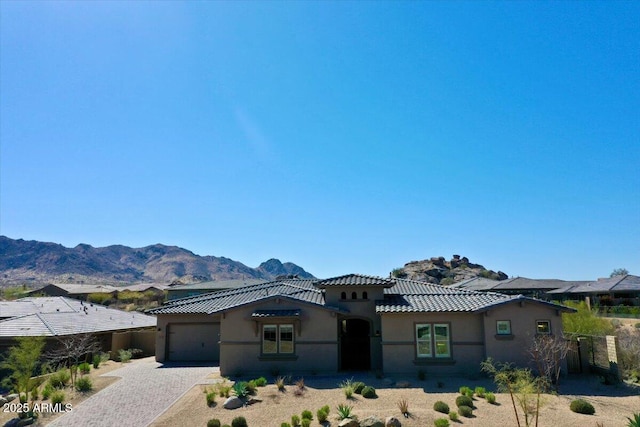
323	414
464	400
344	411
453	416
480	391
96	362
306	422
307	415
369	392
224	390
285	425
84	384
635	421
84	368
60	379
124	356
57	397
260	382
466	391
347	388
47	390
465	411
491	398
251	387
581	406
239	422
440	406
34	393
213	422
240	389
358	386
295	421
441	422
210	397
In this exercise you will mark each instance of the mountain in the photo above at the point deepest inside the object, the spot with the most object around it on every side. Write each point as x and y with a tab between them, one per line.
36	262
438	270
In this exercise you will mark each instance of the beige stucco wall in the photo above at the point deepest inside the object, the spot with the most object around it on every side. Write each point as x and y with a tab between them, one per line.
523	317
162	328
399	348
315	340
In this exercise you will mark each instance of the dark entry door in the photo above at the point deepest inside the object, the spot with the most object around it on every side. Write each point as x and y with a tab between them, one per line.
355	350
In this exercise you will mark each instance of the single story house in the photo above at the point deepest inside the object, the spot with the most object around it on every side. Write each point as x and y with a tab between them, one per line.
352	322
182	291
537	288
624	289
59	317
73	290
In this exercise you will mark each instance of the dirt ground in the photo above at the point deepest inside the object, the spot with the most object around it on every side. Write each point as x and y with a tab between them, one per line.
613	404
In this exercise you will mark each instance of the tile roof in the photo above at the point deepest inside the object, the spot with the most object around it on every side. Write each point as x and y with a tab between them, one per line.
57	316
355	280
217	284
626	283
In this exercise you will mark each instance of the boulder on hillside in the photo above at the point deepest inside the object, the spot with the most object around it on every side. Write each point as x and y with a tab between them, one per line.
372	421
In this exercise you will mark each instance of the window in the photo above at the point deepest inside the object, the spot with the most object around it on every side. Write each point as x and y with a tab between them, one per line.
354	295
503	327
277	339
543	327
343	295
364	295
430	337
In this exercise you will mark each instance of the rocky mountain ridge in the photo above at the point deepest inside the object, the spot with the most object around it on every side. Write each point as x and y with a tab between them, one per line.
438	270
33	262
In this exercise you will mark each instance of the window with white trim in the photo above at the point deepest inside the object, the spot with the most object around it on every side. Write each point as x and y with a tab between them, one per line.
433	340
277	339
503	327
543	327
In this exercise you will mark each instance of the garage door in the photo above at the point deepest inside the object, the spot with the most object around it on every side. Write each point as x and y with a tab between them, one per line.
194	342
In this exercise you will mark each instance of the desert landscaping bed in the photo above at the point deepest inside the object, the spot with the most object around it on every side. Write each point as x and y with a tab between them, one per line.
613	404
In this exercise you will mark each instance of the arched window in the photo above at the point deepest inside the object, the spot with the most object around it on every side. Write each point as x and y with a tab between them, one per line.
343	295
364	295
354	295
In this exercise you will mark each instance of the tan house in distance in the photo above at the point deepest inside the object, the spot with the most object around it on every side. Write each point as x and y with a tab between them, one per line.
352	322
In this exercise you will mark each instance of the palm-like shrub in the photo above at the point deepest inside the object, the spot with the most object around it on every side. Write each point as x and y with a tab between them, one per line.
344	411
581	406
440	406
240	389
635	421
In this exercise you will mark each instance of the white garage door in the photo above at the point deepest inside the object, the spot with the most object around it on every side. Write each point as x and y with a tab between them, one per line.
194	342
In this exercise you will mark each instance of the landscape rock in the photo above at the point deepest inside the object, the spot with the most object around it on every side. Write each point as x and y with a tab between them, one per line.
392	422
2	401
349	422
233	402
12	422
438	270
372	421
11	397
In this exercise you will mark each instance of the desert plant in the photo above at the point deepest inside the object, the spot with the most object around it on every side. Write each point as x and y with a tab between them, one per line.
47	390
464	400
441	422
260	382
84	384
635	421
251	386
239	422
240	389
84	368
347	388
480	391
60	379
57	397
453	416
224	389
440	406
285	425
491	398
124	355
465	411
369	392
280	383
213	422
306	422
210	396
403	405
466	391
323	414
96	361
307	415
300	384
358	386
581	406
344	411
295	421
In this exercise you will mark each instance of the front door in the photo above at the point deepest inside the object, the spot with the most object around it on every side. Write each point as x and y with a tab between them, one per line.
355	346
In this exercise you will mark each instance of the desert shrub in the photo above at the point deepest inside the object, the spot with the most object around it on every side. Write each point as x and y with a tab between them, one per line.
464	400
285	425
347	388
84	368
96	361
240	389
307	415
344	411
441	422
213	422
34	393
358	386
465	411
491	398
323	414
224	390
369	392
440	406
453	416
47	390
60	379
403	406
480	391
466	391
210	396
84	384
124	355
306	422
57	397
251	386
295	421
280	383
239	422
635	421
260	382
581	406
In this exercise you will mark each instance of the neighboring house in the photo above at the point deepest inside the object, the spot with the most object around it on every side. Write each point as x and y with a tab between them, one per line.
76	291
59	317
352	322
615	290
537	288
183	291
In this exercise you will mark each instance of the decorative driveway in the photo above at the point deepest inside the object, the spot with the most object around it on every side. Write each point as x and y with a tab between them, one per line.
146	390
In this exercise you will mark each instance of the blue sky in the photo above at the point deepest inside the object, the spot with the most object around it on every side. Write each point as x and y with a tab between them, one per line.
342	136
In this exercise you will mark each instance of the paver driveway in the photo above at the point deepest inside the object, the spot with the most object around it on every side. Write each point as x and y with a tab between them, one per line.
145	391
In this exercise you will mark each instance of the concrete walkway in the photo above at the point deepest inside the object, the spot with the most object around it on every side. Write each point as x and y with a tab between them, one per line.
146	390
